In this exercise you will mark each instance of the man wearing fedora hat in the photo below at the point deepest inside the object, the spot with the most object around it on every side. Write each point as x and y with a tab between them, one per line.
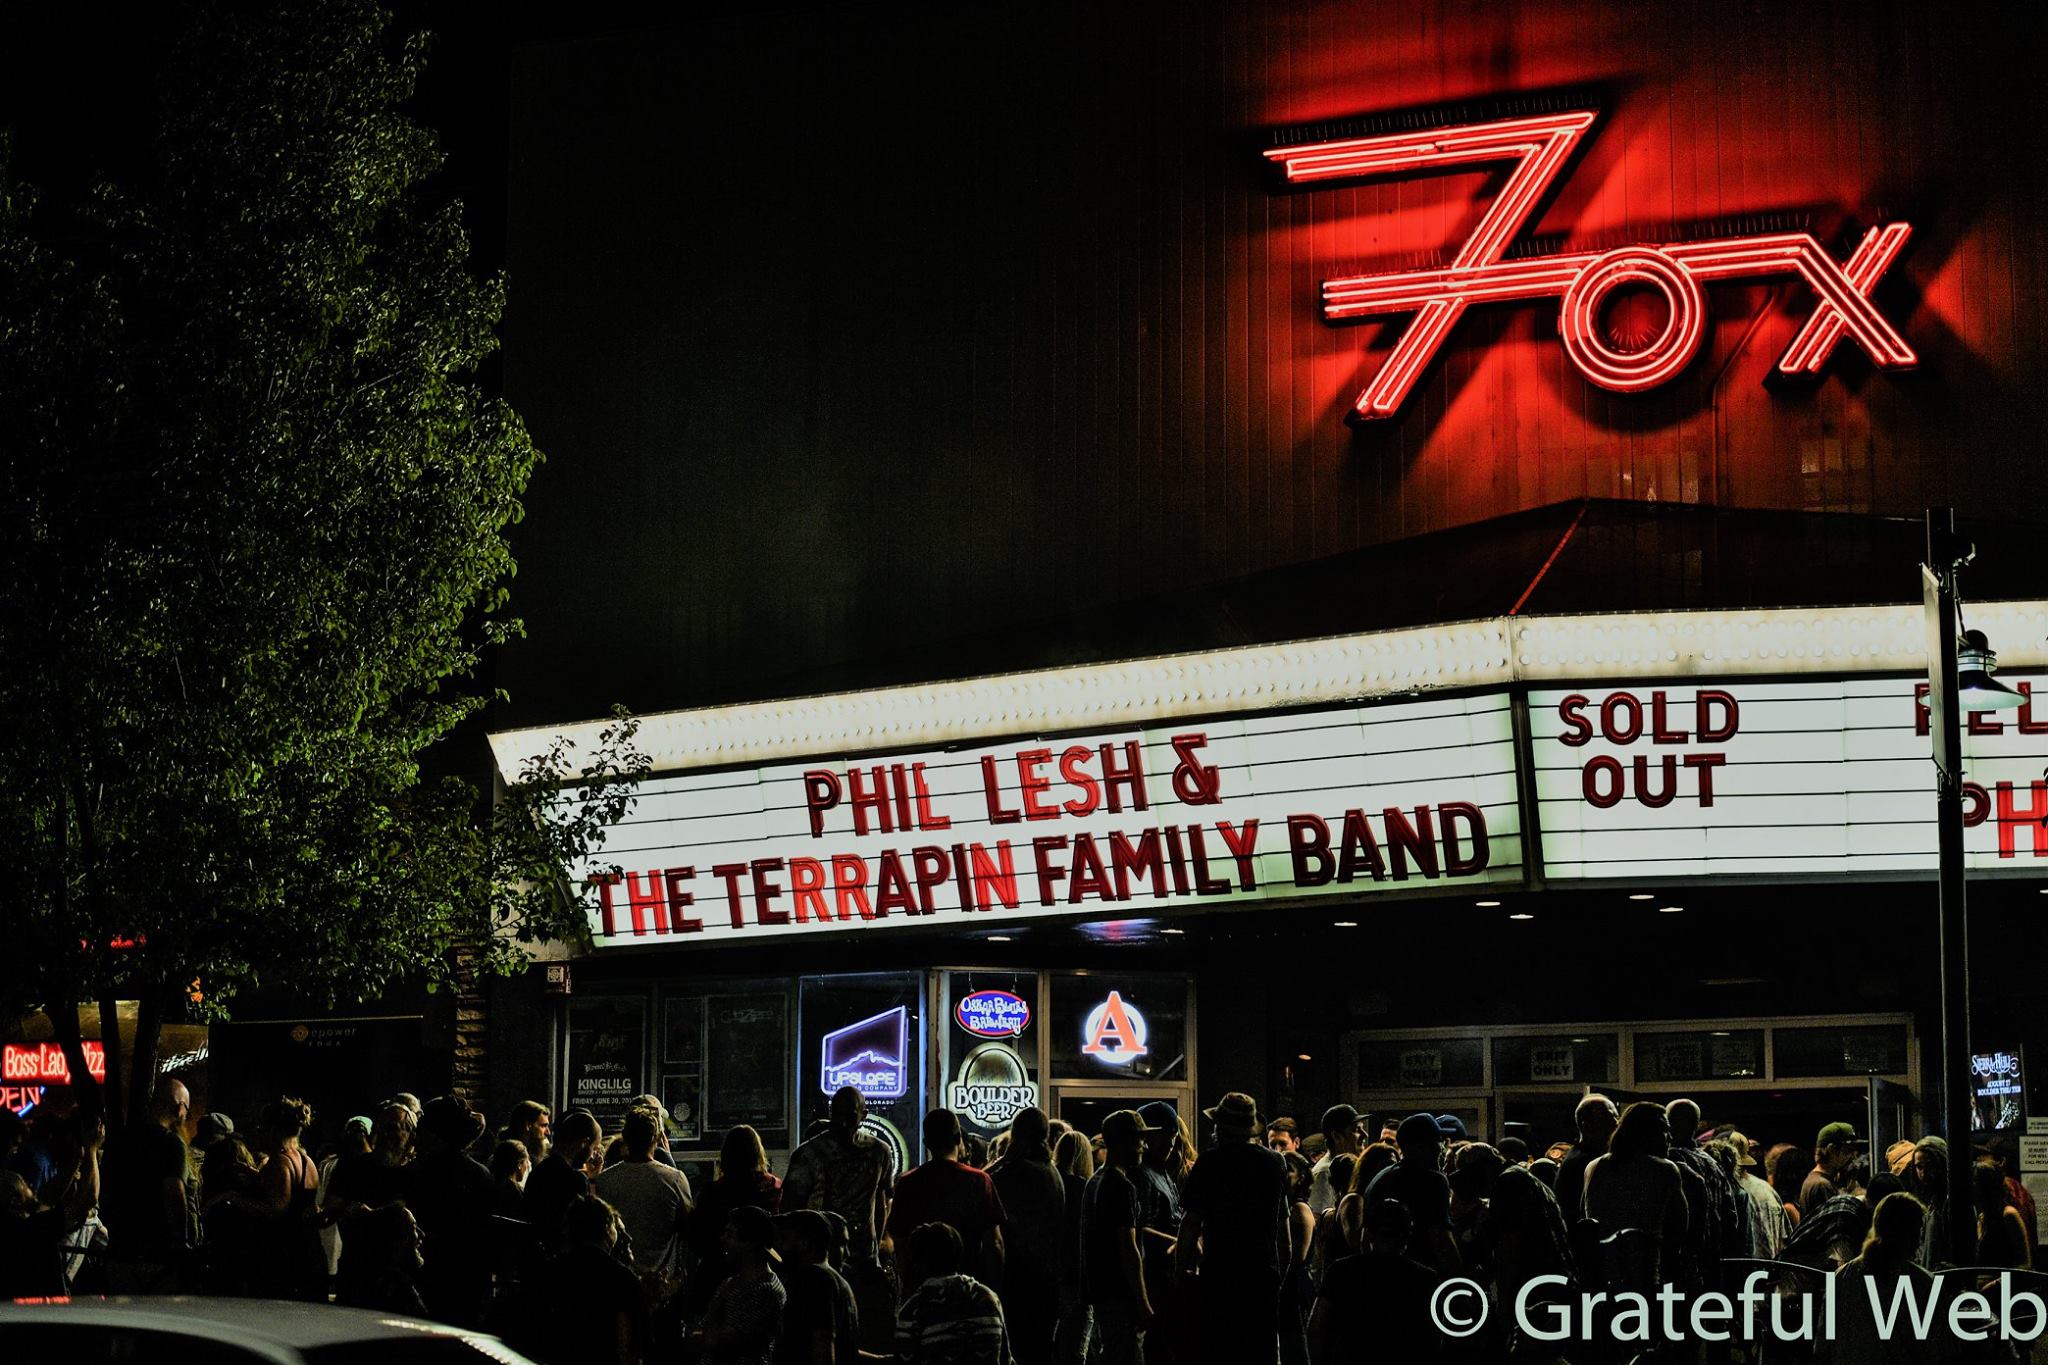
449	1193
1235	1211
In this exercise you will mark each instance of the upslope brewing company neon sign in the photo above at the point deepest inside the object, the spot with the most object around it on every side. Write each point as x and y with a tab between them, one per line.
870	1056
1583	281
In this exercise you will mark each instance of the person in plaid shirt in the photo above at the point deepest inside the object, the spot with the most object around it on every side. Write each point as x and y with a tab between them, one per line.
745	1316
950	1318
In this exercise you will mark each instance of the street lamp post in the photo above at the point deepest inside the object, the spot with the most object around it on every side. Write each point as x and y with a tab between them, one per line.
1947	553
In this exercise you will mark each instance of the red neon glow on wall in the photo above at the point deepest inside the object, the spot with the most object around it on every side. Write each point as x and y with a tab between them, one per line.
1582	281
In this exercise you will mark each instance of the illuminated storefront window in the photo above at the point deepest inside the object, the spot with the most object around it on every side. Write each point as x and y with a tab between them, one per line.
866	1031
989	1063
1119	1026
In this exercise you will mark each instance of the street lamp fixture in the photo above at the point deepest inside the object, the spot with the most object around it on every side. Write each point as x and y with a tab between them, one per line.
1976	689
1959	668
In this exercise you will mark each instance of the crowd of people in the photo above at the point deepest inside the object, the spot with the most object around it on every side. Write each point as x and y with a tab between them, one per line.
1257	1244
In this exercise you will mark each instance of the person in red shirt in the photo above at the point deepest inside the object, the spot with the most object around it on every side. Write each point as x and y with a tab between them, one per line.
946	1190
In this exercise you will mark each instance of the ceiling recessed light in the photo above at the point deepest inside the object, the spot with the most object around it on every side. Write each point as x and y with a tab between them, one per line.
1670	909
1642	895
1582	1040
1521	914
2044	890
1173	931
1345	924
1486	905
1303	1057
998	938
1721	1033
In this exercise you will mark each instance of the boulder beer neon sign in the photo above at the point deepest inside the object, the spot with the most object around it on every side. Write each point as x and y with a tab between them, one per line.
1540	146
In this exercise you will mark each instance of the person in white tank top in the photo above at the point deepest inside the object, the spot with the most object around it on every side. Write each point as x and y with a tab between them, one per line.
1636	1186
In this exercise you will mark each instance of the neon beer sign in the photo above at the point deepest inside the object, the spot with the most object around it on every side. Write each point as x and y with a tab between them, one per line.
870	1056
1114	1032
1539	146
993	1014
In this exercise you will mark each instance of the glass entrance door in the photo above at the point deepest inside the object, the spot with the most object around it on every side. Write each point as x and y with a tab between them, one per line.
1085	1106
1475	1111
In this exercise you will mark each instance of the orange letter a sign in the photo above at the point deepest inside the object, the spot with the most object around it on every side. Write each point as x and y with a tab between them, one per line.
1116	1032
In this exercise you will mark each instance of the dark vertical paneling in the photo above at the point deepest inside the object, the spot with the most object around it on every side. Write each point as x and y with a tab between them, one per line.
842	329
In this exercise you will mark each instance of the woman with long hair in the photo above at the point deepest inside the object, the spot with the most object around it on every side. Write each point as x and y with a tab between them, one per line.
511	1163
1890	1253
1785	1166
1073	1156
1635	1187
744	1181
1181	1153
1929	1184
2001	1231
1374	1159
1297	1290
294	1263
1329	1243
229	1215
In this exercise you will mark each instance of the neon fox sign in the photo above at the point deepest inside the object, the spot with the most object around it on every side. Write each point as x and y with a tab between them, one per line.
1540	146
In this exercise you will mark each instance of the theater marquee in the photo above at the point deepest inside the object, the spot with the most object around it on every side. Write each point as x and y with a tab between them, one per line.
1783	777
1715	744
1349	801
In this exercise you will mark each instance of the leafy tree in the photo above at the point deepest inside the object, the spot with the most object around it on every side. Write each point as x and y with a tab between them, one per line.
253	512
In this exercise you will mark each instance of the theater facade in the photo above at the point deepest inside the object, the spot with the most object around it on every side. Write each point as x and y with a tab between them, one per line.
1348	550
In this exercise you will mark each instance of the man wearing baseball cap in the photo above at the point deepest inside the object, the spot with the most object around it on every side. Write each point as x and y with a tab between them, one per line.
1833	1150
1768	1226
1415	1182
1343	1133
1112	1272
1235	1211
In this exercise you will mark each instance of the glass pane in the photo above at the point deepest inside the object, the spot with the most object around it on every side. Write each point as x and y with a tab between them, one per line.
1119	1026
1086	1109
1998	1091
1421	1063
865	1031
724	1054
1580	1060
990	1058
607	1052
1706	1056
1877	1051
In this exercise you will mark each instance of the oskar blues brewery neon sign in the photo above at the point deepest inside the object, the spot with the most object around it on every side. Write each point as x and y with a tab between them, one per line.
1583	282
993	1014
